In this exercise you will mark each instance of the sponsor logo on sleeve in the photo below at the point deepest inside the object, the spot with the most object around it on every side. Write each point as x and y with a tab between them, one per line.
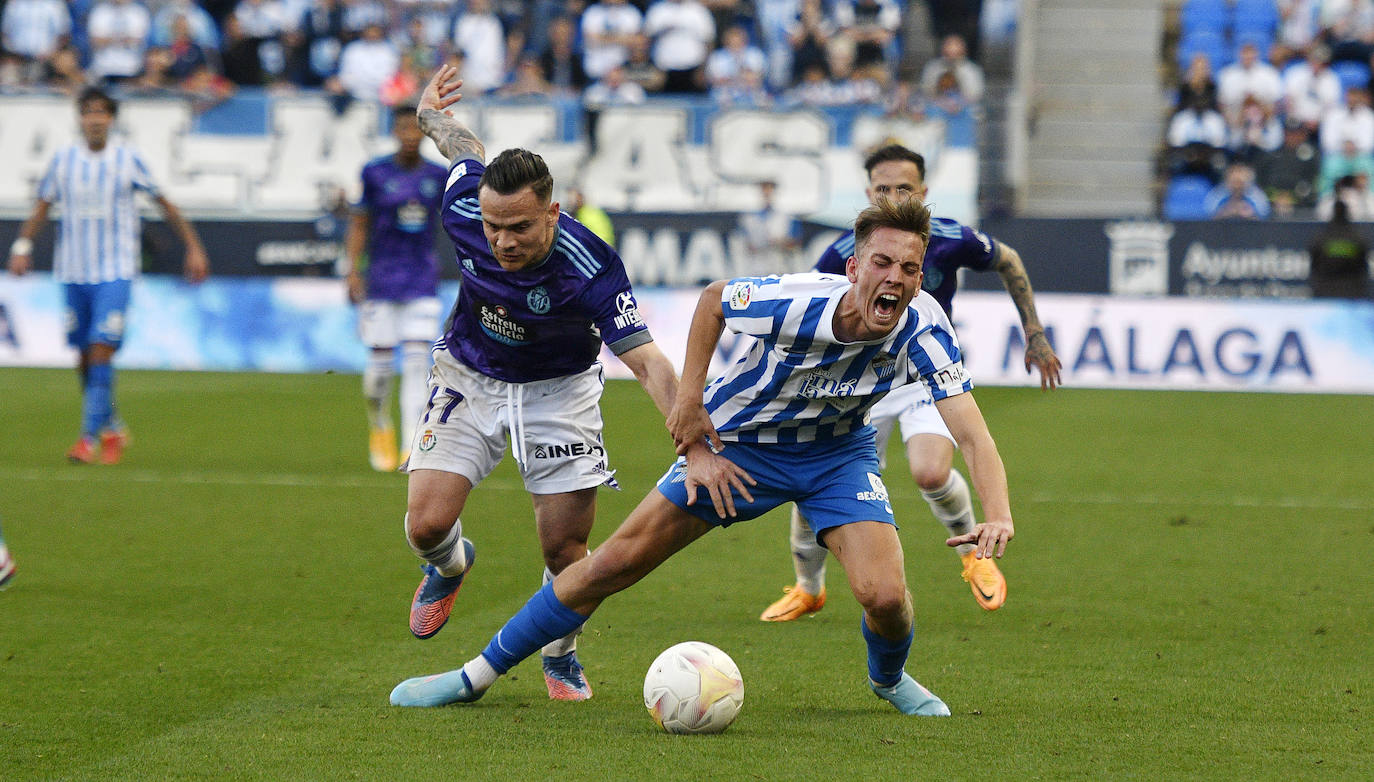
629	316
740	295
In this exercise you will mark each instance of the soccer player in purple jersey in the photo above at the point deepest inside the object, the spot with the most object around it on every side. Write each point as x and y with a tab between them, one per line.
788	423
898	173
518	359
393	222
95	183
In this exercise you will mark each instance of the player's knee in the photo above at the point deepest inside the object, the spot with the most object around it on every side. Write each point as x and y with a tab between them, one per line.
930	476
426	526
558	557
885	602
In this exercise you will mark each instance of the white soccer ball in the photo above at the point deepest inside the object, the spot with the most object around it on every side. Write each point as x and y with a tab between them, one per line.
693	687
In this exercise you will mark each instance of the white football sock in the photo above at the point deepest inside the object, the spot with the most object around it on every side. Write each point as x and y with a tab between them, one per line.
567	643
414	388
377	375
953	507
449	557
808	556
480	673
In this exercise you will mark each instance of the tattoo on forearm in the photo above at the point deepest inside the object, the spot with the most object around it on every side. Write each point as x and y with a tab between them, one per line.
453	139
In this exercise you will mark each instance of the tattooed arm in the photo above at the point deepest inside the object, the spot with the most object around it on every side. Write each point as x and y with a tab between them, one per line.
453	138
1038	351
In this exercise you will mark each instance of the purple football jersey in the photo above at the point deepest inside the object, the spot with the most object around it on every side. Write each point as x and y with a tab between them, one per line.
951	246
541	322
403	204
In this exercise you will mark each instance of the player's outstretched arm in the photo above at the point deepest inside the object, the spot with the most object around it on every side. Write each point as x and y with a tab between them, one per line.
965	422
452	137
1038	351
655	372
196	266
21	252
359	224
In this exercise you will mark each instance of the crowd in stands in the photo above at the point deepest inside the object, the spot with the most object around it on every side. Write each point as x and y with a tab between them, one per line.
607	52
1272	115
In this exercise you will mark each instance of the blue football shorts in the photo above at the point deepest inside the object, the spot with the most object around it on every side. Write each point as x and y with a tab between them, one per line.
833	482
96	313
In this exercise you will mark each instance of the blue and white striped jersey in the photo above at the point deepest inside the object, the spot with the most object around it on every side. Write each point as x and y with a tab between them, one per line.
799	383
98	238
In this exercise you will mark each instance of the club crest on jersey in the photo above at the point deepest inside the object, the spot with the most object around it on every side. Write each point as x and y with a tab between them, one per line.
932	279
818	385
469	265
429	188
538	300
740	295
428	440
884	367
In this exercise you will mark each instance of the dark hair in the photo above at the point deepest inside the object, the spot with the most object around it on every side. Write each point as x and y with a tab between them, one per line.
890	152
910	215
516	169
92	94
402	110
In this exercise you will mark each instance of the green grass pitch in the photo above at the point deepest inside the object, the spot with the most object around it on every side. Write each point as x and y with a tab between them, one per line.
1190	598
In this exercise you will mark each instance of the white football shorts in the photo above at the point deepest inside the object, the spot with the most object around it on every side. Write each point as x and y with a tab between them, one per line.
386	324
554	427
911	407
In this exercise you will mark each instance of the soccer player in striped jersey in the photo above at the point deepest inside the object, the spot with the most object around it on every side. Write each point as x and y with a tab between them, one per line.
787	423
540	293
94	184
393	222
898	173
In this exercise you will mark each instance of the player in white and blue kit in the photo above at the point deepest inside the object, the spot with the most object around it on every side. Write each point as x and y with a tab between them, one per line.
518	359
394	221
897	173
787	424
94	185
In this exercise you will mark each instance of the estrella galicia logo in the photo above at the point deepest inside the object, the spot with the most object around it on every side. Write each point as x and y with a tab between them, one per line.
538	300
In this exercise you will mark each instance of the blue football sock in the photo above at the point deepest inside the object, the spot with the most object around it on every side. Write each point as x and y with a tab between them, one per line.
96	405
886	658
543	619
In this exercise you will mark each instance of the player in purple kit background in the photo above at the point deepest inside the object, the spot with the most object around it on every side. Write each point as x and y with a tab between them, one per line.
898	173
393	222
540	293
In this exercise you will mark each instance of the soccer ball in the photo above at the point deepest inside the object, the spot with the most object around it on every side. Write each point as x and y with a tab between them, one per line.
693	687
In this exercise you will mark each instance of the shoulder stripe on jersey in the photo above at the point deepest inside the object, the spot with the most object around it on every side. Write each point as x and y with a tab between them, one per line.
579	255
466	207
845	245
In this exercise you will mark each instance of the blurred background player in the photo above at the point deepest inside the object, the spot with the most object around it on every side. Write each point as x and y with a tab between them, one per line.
898	173
93	183
394	222
540	293
6	563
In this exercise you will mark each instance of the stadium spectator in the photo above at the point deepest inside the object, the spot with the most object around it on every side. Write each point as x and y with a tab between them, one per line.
64	73
358	15
613	90
1298	23
640	68
1352	190
1237	196
393	222
560	62
1197	137
746	91
201	27
1311	88
871	25
770	234
1197	82
95	183
404	85
366	64
262	19
528	80
34	30
897	173
478	34
591	215
118	31
809	36
1339	258
239	56
948	98
1352	120
682	32
156	78
775	20
852	86
954	59
957	17
1256	131
727	64
539	293
1288	175
1348	161
324	35
1249	75
821	456
188	55
607	27
423	53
